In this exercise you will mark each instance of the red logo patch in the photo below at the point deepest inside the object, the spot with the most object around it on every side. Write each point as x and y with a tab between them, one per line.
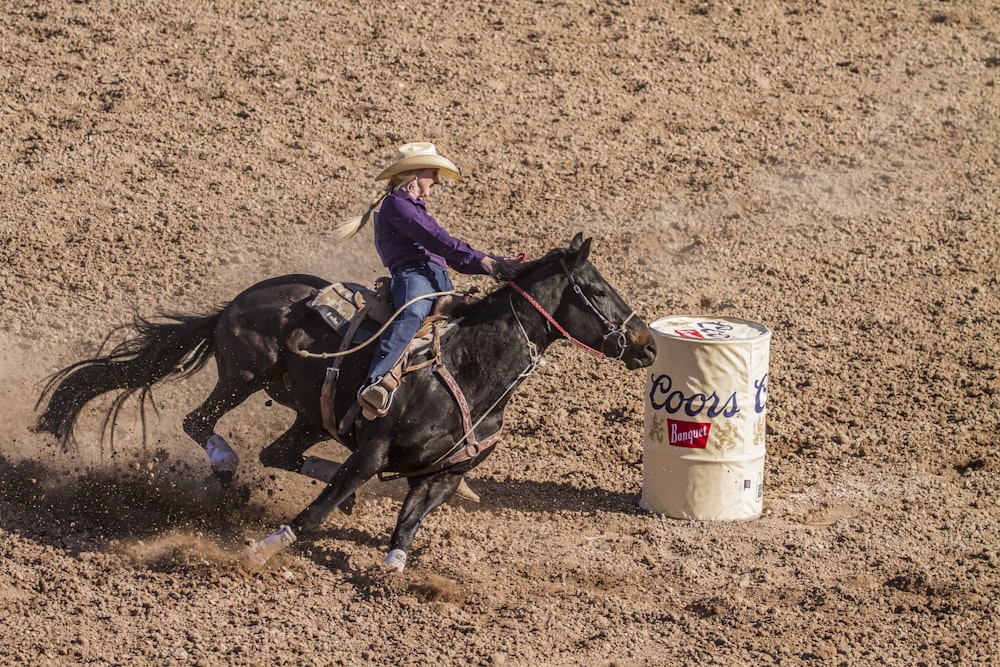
688	434
688	333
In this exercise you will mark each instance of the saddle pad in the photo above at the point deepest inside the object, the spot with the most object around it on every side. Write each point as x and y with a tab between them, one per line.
338	302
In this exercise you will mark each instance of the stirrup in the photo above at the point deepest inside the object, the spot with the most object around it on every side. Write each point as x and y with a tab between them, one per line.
375	401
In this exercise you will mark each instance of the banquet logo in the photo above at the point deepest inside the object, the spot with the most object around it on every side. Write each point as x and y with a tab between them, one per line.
688	434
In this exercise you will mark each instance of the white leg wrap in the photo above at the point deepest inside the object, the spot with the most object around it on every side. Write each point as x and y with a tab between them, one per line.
257	554
221	455
319	468
396	560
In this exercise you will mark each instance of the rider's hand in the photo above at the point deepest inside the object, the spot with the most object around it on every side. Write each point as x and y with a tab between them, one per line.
502	269
490	266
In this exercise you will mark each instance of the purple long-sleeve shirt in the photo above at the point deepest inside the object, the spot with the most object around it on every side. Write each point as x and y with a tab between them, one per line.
405	232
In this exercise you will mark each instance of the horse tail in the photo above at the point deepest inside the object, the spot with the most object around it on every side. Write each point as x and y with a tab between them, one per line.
174	348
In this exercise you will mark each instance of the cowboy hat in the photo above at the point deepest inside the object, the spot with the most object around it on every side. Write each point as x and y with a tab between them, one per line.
419	155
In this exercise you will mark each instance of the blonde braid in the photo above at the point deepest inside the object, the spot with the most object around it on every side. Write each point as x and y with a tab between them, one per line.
352	226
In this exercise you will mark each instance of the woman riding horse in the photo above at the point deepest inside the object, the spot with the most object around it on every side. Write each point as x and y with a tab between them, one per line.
445	423
417	251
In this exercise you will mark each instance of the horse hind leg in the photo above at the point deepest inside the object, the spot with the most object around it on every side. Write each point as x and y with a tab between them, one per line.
199	424
286	451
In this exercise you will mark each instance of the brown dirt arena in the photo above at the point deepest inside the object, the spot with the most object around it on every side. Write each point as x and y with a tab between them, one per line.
827	168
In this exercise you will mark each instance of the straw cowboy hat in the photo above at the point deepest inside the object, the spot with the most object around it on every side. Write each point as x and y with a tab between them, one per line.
419	155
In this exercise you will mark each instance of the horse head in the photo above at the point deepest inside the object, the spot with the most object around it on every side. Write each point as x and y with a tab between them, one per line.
580	305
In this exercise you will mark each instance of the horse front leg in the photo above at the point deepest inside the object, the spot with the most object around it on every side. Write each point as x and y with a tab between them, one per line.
286	453
426	494
359	467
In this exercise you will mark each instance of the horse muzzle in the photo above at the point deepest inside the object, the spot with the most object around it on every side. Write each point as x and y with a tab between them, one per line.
641	351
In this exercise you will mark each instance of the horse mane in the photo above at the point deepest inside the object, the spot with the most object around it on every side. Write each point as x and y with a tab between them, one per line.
514	270
506	272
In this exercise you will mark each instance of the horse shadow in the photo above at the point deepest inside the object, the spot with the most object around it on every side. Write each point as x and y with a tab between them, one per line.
88	509
528	496
85	511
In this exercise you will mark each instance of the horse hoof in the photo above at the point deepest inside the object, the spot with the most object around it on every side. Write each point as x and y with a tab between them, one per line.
224	460
347	507
224	478
396	560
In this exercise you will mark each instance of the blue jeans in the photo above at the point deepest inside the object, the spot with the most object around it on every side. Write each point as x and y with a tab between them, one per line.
409	281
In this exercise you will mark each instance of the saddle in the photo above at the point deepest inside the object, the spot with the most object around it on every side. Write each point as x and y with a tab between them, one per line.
350	308
343	304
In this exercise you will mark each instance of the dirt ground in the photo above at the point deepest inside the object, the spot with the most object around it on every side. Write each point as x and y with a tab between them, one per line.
828	169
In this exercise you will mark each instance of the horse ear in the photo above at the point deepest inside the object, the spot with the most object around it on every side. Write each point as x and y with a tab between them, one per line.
576	242
580	251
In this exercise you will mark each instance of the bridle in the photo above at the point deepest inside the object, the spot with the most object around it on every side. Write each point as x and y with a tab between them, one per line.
614	332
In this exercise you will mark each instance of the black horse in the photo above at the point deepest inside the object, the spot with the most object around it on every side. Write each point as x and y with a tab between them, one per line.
269	339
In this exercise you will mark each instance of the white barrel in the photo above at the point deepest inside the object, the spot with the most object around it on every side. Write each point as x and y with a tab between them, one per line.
704	420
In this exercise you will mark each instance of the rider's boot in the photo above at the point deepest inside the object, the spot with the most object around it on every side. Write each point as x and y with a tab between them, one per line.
466	492
376	397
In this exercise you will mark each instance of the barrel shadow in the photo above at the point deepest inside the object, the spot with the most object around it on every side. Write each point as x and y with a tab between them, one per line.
527	495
